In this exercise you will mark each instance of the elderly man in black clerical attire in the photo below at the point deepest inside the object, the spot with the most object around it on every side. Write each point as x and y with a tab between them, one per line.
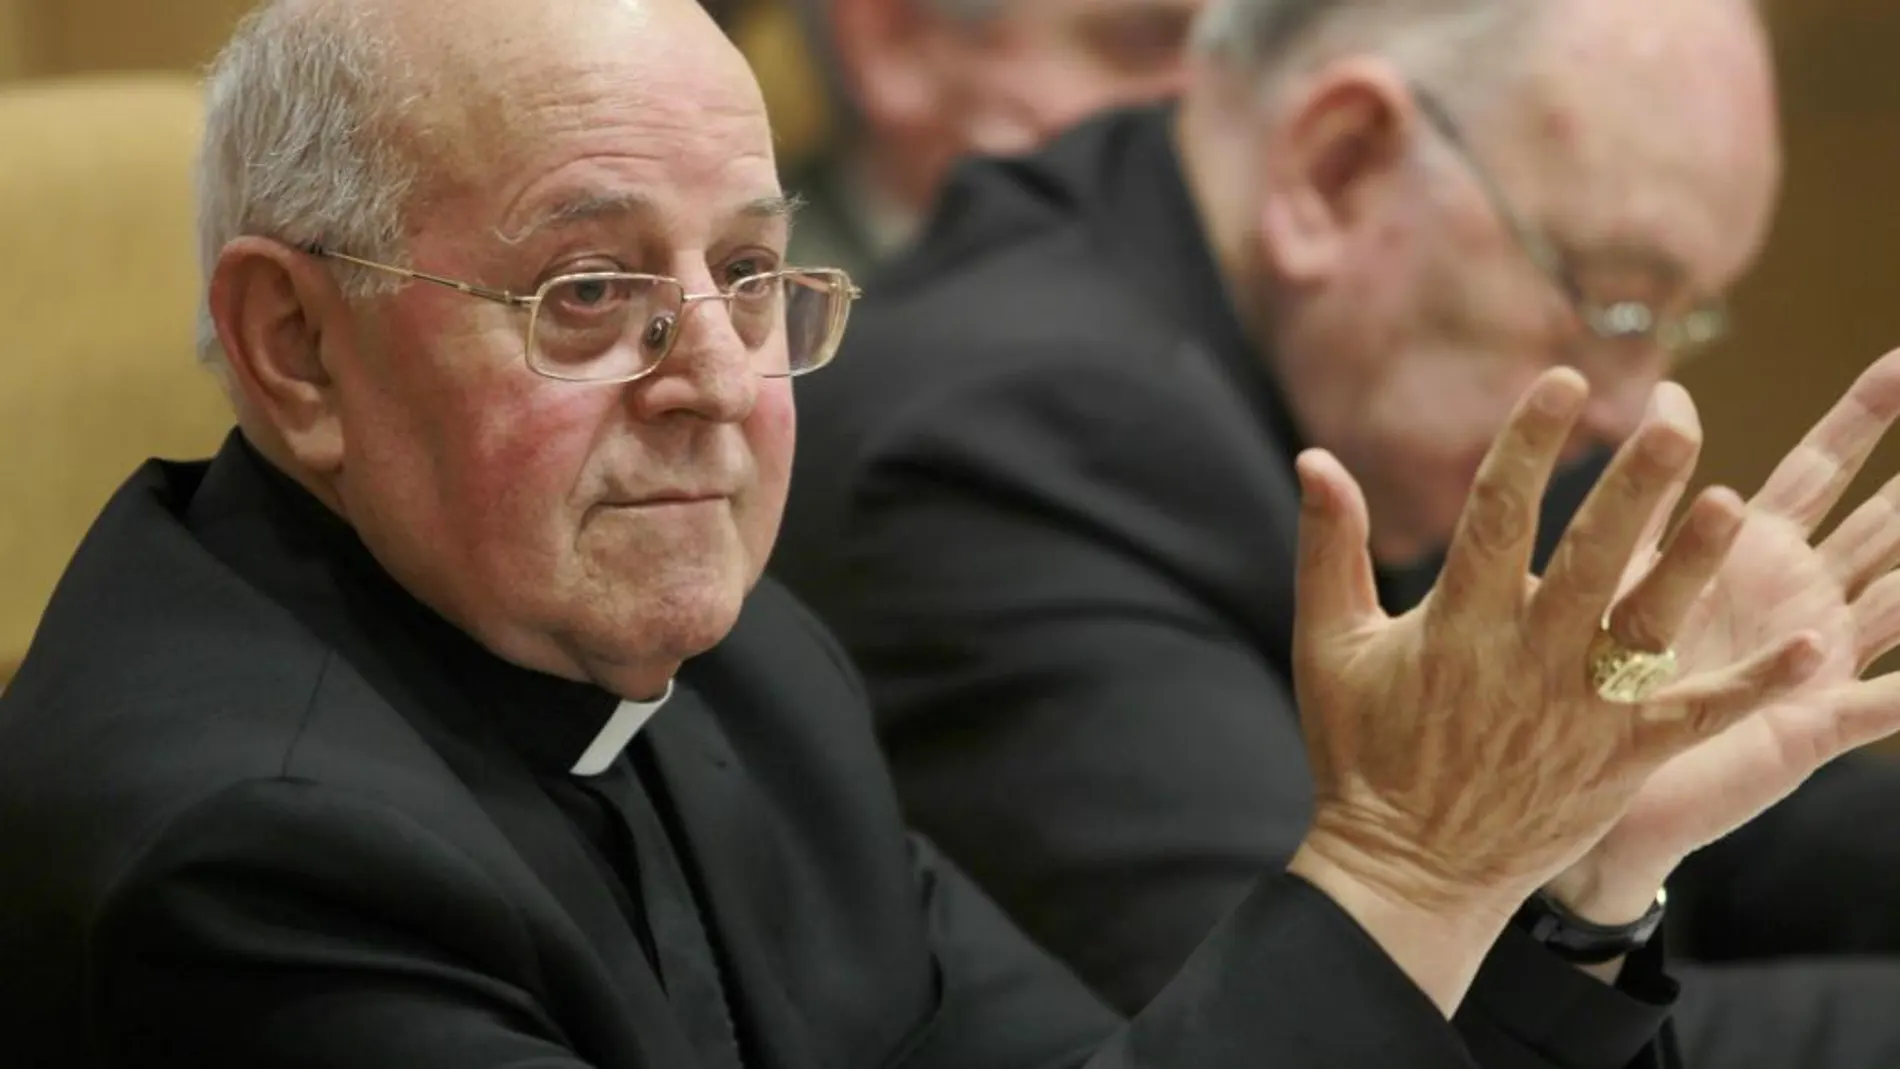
442	719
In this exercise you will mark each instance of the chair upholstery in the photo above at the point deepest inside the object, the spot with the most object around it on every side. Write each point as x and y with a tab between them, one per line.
98	291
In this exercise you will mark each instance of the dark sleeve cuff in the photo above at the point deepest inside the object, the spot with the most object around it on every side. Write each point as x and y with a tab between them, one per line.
1527	998
1289	979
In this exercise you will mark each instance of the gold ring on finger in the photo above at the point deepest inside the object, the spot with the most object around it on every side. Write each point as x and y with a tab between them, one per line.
1624	675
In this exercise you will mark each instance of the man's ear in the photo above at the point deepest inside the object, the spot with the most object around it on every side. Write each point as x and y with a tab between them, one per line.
891	55
1335	165
271	304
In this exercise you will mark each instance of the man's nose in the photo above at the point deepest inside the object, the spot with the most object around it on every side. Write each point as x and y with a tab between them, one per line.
710	370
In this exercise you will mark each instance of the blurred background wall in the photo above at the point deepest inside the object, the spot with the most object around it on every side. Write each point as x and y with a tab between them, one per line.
12	40
1825	300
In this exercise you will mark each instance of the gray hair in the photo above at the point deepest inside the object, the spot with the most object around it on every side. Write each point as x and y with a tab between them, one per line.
300	116
1428	39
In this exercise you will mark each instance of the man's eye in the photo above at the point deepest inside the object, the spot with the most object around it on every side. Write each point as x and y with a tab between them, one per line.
740	270
591	292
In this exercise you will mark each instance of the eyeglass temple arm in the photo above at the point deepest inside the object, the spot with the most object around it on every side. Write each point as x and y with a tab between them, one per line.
499	296
1534	243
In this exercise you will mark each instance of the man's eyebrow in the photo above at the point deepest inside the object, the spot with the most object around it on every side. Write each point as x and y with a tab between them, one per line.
1628	254
581	208
774	207
596	207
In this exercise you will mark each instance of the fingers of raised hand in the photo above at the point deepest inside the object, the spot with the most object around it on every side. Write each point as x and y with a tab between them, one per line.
1590	561
1334	587
1705	705
1807	485
1648	617
1490	552
1866	545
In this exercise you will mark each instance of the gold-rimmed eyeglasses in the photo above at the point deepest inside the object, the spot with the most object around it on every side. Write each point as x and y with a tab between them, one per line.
615	327
1680	332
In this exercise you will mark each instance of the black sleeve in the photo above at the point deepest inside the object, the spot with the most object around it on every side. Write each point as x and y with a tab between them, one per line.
1286	981
279	924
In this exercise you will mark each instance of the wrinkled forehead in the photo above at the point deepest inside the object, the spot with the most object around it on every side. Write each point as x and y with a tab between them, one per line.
537	117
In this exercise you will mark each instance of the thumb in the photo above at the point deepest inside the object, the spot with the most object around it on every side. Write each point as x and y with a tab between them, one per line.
1334	590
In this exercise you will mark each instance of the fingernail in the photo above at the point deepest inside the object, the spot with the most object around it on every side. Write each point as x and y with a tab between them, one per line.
1558	396
1673	405
1670	447
1716	512
1715	526
1312	491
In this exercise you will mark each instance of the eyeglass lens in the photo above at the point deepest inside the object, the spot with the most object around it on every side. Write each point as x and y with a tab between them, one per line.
613	326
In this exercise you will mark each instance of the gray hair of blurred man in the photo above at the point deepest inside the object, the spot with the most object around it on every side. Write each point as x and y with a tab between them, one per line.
300	114
1463	47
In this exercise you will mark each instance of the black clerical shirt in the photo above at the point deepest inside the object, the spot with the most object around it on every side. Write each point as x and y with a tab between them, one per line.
585	748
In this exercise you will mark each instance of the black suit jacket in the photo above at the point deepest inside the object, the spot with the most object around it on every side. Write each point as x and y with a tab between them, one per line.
1046	497
260	808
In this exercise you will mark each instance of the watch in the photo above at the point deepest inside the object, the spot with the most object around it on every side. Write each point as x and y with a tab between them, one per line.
1582	942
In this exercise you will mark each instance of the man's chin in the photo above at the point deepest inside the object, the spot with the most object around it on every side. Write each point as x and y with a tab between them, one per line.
673	624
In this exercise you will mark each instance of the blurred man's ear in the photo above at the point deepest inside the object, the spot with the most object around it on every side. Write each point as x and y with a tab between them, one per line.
1334	163
893	57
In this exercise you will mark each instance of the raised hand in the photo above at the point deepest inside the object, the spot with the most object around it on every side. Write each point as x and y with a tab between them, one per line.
1774	581
1461	753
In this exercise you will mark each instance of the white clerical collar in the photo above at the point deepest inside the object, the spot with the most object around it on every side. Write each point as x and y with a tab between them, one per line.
618	732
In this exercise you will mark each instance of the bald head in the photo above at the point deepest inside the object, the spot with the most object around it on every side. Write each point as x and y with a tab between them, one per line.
1648	125
1663	112
1426	203
472	86
505	54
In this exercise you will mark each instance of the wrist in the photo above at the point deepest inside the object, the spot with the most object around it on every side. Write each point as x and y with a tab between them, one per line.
1599	942
1608	895
1436	934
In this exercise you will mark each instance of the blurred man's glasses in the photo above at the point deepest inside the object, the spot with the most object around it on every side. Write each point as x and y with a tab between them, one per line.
612	327
1679	333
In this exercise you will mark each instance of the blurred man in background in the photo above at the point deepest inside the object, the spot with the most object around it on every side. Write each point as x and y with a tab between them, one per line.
916	85
1048	499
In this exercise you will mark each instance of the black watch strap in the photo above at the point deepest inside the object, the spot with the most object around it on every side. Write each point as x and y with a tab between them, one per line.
1581	942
